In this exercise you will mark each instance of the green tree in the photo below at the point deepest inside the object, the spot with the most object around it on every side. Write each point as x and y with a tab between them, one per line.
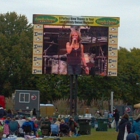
129	75
15	53
16	41
53	87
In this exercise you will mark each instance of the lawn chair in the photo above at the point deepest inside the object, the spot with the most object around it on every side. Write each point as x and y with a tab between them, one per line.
46	128
27	129
13	127
54	130
64	130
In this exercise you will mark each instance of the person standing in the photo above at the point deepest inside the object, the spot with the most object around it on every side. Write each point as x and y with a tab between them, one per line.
124	127
136	126
110	117
75	53
116	116
34	112
73	125
98	114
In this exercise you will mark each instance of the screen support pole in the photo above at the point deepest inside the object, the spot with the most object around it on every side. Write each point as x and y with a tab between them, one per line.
76	91
73	95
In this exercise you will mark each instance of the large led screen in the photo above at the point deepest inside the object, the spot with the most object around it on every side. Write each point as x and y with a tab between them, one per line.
75	48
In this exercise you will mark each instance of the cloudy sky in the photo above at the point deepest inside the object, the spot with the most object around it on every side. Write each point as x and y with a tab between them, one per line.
127	10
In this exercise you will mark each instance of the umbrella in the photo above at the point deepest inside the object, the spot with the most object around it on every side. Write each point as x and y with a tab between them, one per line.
137	105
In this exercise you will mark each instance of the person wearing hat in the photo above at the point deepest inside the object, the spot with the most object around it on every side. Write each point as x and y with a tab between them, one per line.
136	126
98	114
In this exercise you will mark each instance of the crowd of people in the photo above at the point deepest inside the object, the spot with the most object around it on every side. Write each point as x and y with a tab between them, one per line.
128	130
38	126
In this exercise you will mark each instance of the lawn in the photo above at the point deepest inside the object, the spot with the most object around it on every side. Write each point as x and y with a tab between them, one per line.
111	134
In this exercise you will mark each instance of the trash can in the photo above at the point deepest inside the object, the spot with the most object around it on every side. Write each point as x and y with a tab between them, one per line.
102	124
84	126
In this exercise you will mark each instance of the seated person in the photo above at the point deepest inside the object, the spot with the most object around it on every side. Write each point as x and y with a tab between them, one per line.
58	122
27	127
64	128
33	128
14	126
54	130
6	127
46	127
73	125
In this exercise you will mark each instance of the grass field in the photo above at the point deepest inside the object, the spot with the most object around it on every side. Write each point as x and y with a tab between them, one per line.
111	134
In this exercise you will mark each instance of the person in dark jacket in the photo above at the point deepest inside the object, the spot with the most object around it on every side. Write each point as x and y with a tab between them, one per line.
2	112
116	117
9	113
124	122
64	129
46	127
34	112
27	127
72	125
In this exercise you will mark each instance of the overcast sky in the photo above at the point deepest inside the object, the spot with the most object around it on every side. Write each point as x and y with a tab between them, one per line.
127	10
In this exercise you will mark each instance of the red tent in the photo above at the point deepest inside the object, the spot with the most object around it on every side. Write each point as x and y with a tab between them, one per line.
2	101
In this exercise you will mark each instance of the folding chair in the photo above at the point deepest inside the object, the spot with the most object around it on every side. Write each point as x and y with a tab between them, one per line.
54	129
13	127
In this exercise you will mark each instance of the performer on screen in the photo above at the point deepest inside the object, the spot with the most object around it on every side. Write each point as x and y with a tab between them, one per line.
75	53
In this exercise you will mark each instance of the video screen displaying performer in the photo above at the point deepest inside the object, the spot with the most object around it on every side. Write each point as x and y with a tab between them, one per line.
75	53
75	50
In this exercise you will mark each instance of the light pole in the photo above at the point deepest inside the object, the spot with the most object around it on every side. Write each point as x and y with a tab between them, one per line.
112	101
